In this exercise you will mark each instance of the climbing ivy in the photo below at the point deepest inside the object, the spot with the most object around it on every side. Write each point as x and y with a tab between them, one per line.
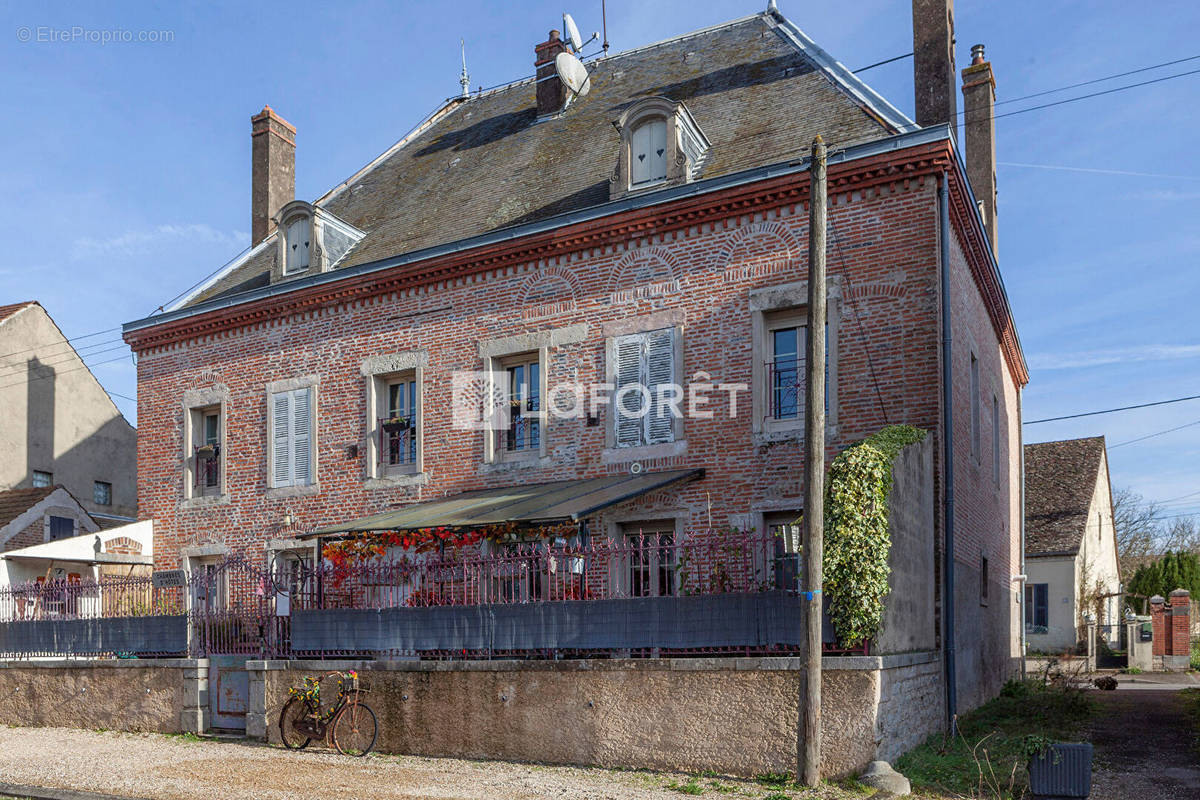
857	541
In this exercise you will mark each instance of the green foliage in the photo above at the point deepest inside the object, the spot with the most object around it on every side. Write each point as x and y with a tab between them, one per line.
691	787
857	541
1195	665
998	739
1173	571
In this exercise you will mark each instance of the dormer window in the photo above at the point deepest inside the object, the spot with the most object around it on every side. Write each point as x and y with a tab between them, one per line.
661	145
310	240
298	241
648	153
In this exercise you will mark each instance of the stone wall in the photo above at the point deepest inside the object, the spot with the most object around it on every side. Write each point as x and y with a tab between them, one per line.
122	695
730	715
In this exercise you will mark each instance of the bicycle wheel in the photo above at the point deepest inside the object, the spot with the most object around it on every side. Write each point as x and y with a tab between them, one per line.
294	711
354	729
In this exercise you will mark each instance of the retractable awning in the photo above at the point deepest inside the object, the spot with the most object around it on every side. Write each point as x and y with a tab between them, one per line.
531	503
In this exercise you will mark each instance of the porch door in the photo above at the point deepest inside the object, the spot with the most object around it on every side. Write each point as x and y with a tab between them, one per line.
650	565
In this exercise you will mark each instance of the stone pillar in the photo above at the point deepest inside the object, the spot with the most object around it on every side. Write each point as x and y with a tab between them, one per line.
1091	644
1177	655
1157	604
194	717
256	705
1140	653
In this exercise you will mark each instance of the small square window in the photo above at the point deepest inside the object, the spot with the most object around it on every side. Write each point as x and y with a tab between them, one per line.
102	493
42	479
61	528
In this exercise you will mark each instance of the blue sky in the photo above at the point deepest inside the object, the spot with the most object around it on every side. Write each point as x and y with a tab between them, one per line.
127	173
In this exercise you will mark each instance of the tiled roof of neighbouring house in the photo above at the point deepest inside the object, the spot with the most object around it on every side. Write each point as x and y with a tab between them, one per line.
8	310
15	502
756	88
1060	479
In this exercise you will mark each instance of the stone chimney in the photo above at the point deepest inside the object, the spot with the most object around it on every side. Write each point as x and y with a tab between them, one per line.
273	178
979	131
551	94
933	63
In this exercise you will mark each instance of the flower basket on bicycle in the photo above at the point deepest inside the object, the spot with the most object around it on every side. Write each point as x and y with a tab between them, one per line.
347	722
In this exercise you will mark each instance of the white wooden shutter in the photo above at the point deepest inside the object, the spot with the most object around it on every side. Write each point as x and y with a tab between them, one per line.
281	434
639	155
302	437
628	422
658	150
660	371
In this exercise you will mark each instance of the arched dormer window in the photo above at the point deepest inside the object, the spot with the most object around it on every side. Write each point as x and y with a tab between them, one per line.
661	145
310	240
297	245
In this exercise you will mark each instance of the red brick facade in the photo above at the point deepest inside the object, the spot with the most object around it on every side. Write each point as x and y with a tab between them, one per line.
692	264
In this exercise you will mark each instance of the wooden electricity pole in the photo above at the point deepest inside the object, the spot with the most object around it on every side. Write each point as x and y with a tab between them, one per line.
814	461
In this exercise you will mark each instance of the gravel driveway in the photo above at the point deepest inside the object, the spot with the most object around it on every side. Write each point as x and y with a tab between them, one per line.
1144	744
176	768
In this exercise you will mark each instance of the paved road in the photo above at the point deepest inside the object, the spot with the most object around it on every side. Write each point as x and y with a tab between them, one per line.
1145	745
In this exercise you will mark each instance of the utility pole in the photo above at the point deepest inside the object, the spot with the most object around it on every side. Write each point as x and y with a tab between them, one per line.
814	460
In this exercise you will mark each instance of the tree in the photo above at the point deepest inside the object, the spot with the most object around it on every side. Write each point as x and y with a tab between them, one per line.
1175	570
1135	520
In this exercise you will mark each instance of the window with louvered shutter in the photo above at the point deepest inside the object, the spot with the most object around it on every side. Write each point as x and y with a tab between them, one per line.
660	372
648	153
644	362
281	414
299	234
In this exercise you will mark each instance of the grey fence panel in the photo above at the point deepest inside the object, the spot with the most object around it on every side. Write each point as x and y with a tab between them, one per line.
678	623
159	635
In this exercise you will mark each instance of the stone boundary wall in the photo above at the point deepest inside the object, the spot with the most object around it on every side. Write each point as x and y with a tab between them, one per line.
731	715
113	694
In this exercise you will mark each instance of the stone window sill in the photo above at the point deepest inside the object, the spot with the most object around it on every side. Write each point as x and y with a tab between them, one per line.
397	480
204	501
287	492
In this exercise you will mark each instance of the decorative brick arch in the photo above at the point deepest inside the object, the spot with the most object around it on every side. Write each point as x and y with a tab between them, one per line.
547	292
758	249
644	272
123	545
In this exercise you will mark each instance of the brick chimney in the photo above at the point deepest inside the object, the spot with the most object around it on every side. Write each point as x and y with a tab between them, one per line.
933	63
551	94
979	131
273	162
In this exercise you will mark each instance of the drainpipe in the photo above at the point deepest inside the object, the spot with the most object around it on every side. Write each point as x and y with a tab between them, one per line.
1024	576
948	459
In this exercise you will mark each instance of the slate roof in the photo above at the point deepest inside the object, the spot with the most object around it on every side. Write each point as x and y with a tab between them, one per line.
9	310
758	89
1060	479
15	502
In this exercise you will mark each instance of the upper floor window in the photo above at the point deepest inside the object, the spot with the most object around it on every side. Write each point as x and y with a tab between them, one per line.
42	479
787	355
102	493
996	439
522	385
298	242
647	397
203	451
291	438
974	406
648	152
398	428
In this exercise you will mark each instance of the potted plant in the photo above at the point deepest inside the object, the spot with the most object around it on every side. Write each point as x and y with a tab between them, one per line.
1059	769
395	424
208	450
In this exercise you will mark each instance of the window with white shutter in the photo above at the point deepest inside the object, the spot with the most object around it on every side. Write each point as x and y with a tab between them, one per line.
648	153
645	365
298	239
291	434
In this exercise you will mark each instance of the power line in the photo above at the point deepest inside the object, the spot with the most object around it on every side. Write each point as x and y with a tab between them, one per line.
1095	80
1112	410
881	63
1093	94
60	344
64	372
59	358
1152	435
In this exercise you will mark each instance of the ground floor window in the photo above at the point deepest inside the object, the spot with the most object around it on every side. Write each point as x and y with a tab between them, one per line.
652	557
1037	609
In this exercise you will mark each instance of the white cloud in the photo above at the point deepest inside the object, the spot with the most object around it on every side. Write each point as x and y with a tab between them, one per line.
1115	355
141	242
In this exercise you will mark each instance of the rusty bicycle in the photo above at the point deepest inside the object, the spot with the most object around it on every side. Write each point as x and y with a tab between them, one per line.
347	722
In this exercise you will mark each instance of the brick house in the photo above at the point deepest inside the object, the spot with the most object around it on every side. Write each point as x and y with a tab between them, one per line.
656	224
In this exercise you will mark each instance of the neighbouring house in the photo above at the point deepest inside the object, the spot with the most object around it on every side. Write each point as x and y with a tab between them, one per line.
43	514
60	428
652	232
1070	545
124	552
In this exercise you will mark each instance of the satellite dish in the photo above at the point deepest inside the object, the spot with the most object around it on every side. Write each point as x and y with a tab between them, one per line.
573	74
572	33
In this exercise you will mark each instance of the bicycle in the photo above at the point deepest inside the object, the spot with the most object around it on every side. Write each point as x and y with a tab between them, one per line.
348	722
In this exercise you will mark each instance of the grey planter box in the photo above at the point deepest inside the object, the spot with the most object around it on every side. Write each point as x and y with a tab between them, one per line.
1063	771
